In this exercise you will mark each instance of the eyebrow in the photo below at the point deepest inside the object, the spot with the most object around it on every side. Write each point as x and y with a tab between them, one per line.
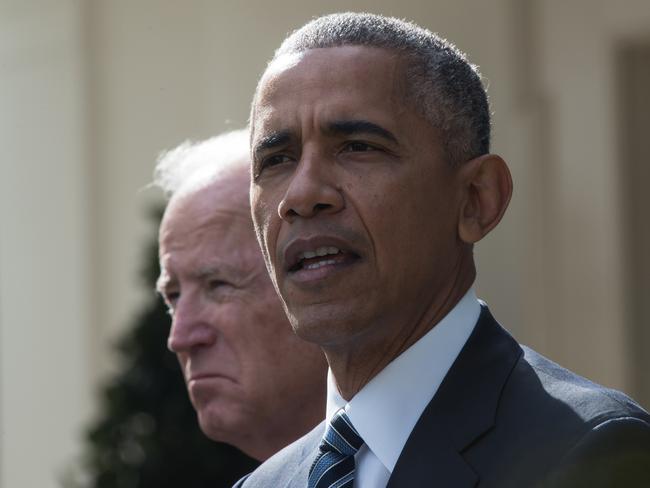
351	127
165	280
271	141
207	271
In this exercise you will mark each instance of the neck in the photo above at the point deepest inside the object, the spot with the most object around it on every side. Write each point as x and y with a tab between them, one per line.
354	364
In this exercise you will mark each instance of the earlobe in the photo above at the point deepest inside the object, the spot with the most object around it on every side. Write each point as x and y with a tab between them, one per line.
487	188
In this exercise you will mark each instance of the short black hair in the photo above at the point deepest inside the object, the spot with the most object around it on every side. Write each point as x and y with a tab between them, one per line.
441	83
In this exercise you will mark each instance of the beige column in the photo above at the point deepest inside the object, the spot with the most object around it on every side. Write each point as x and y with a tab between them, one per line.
583	195
44	329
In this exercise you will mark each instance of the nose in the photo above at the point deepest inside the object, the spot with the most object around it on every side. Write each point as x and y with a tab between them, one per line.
313	190
190	327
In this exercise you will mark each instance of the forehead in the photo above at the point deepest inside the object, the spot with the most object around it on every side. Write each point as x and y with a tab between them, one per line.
338	82
217	215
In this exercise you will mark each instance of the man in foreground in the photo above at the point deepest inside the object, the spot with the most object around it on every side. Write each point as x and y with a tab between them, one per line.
252	382
372	181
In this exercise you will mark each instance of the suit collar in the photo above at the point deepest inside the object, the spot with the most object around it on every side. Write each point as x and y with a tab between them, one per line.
463	409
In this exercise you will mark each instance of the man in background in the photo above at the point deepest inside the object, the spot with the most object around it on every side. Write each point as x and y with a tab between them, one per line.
372	181
253	383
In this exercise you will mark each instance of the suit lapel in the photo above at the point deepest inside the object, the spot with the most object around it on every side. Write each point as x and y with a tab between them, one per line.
431	462
308	453
301	474
462	410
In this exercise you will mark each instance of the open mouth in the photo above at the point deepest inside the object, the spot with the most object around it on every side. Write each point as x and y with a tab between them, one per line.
320	257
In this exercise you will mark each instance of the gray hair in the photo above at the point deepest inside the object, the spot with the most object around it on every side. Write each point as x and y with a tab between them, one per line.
443	85
198	163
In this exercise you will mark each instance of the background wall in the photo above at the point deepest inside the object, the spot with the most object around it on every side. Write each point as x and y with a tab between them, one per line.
92	91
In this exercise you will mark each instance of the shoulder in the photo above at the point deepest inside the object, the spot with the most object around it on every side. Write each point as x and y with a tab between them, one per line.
555	421
536	395
289	463
552	386
616	452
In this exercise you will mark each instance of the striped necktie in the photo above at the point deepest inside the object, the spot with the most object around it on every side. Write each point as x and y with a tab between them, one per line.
334	465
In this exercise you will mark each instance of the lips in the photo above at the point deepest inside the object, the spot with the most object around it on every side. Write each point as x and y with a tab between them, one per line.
207	376
317	252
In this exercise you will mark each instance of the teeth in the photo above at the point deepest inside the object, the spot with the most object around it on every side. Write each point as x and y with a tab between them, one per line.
320	264
321	251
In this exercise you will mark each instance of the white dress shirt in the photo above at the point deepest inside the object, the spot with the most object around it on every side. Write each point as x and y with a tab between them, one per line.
385	410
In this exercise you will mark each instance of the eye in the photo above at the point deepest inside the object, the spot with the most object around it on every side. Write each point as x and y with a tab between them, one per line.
217	288
358	146
170	299
274	160
214	284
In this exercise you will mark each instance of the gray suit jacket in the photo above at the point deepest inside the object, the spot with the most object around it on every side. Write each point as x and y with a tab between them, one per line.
504	416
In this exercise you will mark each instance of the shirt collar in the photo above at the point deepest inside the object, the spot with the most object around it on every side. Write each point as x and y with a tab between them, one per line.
403	389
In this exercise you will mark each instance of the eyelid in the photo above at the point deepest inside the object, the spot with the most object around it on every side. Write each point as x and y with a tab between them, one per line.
263	162
218	280
170	296
369	145
279	155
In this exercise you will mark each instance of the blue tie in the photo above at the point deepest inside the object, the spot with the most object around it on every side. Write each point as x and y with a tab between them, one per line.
334	465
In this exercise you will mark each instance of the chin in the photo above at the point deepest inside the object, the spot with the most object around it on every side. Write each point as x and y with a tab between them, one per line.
217	424
324	326
231	430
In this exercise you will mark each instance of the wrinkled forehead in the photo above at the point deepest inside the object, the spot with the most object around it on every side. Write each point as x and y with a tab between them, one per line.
338	74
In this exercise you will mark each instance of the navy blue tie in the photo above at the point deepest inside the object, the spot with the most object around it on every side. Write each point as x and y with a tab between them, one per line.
334	465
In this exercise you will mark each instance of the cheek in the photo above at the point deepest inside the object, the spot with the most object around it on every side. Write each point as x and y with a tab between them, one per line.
260	326
383	209
281	341
182	361
409	220
265	220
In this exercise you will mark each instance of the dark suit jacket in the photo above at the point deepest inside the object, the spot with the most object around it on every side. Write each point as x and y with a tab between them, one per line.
504	416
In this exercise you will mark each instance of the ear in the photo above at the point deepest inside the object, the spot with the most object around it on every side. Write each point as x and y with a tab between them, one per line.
487	187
